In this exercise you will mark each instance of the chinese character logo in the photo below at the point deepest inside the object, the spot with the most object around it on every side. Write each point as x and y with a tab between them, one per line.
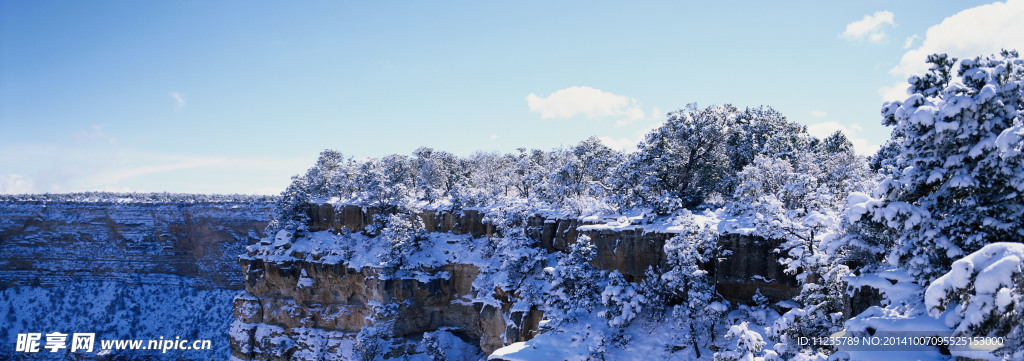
28	342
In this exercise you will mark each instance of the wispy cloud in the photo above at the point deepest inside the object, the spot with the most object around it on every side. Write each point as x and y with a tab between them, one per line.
818	114
15	184
871	27
586	101
910	41
94	134
119	175
179	101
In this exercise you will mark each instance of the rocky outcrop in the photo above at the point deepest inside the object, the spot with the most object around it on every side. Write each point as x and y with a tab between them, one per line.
287	299
747	263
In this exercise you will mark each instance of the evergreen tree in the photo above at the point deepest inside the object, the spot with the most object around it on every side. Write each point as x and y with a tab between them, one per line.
574	282
698	306
680	163
951	188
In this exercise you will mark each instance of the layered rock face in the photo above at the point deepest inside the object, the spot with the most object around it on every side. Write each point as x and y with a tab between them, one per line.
304	309
53	244
123	271
280	319
750	265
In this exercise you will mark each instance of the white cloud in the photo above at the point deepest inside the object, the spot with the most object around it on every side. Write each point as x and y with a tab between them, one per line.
587	101
818	114
860	145
15	184
179	101
894	92
628	144
977	31
871	27
910	41
494	136
623	144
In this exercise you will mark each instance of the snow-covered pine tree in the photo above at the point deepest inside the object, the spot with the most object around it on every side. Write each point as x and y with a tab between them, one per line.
698	306
949	190
985	290
575	287
621	300
403	235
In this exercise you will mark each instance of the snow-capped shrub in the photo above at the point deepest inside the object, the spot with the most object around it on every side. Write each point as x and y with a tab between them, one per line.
820	313
374	339
574	282
985	293
621	300
403	236
655	292
432	347
744	344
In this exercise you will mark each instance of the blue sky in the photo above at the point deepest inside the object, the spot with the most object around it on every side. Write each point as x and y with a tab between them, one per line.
237	96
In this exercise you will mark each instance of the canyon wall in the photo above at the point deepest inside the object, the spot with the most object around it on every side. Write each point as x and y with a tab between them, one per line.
303	308
124	270
750	265
55	243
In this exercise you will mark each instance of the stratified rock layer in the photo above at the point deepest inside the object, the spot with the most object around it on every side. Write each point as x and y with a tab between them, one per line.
58	243
322	320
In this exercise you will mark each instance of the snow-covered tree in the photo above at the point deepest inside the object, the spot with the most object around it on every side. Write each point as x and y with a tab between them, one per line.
373	340
820	311
681	162
951	188
583	174
326	177
403	236
621	300
698	306
796	200
656	294
387	184
438	173
574	282
527	172
292	209
486	180
766	132
985	291
744	344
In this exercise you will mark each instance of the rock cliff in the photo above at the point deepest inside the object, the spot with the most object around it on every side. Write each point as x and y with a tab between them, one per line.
124	270
278	318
